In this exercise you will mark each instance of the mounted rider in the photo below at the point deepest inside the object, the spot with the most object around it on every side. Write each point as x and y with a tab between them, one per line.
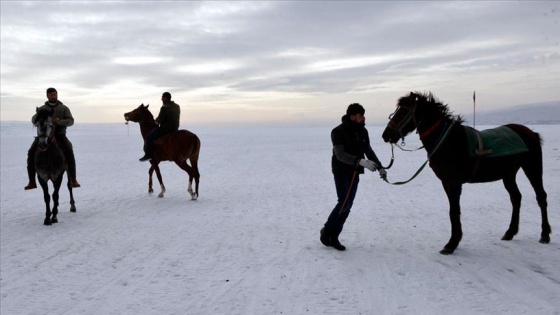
167	120
61	118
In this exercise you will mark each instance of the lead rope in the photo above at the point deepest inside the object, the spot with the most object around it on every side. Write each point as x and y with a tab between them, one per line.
423	165
349	187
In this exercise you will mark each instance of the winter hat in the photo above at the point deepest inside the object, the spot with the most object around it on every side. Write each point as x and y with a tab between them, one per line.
354	109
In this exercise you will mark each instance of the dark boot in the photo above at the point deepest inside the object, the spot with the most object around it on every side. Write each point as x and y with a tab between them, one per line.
336	244
31	174
328	239
325	238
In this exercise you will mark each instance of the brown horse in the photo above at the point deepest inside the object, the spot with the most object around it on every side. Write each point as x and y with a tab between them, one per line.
457	160
179	146
50	164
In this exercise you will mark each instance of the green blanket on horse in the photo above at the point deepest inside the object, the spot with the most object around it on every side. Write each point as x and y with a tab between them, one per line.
500	141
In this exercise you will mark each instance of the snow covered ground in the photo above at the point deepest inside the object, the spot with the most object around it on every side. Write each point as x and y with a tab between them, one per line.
250	243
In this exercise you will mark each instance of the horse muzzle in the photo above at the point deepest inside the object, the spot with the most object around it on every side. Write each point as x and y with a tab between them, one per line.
390	135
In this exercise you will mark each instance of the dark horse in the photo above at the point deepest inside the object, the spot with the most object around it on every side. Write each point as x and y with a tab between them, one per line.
446	141
178	147
50	164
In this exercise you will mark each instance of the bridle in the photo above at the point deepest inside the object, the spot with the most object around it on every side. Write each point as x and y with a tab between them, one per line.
45	134
397	126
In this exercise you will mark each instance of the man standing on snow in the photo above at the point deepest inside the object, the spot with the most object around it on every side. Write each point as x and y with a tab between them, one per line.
350	143
62	118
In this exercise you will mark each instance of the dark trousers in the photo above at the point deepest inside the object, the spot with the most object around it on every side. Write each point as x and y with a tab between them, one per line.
67	150
336	219
151	137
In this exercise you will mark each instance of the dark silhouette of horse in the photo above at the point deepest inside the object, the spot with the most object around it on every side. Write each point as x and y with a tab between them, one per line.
50	164
456	160
178	146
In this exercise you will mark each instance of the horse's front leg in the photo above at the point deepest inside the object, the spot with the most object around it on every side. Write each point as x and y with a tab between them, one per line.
57	183
72	203
453	192
47	199
158	175
150	172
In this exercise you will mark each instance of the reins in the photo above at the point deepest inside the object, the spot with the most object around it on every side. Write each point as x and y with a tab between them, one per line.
429	157
349	189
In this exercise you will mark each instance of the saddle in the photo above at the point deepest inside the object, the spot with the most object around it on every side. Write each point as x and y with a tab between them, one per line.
164	138
500	141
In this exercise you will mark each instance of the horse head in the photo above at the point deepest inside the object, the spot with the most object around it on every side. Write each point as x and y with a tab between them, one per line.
45	129
140	114
416	111
403	120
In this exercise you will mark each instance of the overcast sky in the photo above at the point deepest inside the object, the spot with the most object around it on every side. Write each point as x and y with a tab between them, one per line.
275	62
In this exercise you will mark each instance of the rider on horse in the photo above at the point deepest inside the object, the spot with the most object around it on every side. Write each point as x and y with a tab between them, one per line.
167	120
62	118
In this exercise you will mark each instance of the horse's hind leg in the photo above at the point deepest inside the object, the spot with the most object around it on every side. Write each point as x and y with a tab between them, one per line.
534	174
192	174
196	175
515	197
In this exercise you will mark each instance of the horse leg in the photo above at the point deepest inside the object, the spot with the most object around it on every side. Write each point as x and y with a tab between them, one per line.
150	172
57	183
187	168
72	203
453	192
515	197
196	174
534	174
47	198
158	175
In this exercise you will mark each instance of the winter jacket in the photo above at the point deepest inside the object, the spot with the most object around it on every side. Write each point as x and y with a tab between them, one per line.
350	143
168	118
62	112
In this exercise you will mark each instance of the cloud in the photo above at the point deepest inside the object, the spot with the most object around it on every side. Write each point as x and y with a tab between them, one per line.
252	55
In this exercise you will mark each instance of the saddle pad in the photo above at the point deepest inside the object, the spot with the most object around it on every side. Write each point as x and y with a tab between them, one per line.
500	141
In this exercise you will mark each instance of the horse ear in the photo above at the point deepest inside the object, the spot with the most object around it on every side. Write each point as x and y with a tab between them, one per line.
36	109
147	105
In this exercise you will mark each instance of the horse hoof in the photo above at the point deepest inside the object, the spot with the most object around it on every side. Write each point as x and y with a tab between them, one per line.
446	251
160	195
54	221
507	237
47	222
544	240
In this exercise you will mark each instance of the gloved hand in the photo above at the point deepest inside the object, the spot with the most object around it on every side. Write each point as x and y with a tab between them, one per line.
382	173
369	164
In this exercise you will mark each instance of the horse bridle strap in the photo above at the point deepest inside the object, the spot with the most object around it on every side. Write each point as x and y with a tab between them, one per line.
428	131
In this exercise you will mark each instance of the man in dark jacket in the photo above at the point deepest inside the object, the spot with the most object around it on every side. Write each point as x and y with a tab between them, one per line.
350	143
62	118
167	120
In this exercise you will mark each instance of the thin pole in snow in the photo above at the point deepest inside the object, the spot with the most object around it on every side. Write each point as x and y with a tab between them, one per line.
474	108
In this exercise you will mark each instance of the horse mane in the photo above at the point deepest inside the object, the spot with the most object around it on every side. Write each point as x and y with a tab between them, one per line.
433	102
43	114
